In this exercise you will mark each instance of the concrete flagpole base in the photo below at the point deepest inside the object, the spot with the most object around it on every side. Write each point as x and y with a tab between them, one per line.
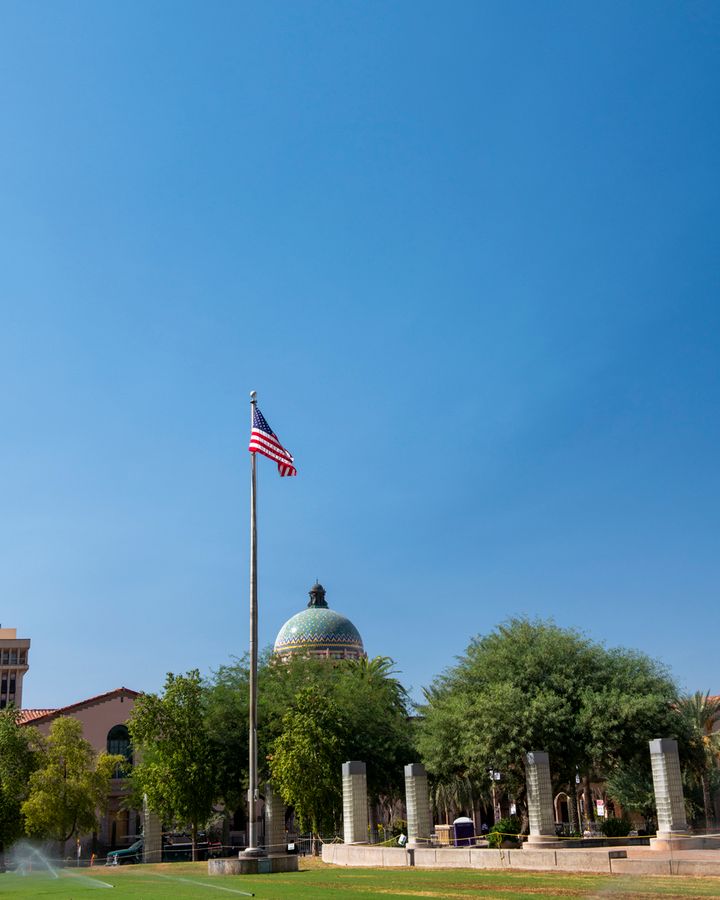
254	865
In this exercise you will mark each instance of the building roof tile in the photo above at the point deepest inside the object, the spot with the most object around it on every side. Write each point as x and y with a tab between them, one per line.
35	715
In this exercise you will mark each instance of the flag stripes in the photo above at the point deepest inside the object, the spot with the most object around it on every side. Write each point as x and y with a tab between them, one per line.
263	440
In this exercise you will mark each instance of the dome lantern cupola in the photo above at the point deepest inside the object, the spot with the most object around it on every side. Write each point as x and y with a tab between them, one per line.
317	597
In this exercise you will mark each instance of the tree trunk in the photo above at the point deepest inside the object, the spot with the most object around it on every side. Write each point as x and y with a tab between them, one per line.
524	824
707	805
315	844
373	822
587	799
572	808
194	841
226	828
2	858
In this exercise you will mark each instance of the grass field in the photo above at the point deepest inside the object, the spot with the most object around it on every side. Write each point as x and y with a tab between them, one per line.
183	881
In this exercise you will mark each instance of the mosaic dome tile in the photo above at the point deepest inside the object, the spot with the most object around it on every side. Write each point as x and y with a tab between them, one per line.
318	628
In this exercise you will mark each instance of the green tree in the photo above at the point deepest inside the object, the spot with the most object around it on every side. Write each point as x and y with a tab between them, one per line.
373	702
306	760
380	733
631	786
531	685
18	759
175	769
70	785
699	713
455	795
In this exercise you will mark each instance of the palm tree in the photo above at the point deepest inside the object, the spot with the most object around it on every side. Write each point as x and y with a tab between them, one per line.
454	794
380	673
450	794
699	713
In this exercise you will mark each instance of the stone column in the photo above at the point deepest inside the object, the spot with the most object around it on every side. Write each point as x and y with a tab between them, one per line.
275	836
541	812
152	835
417	799
355	810
667	783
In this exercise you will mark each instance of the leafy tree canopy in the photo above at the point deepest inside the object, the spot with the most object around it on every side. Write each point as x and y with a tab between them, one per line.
176	766
631	785
698	714
18	758
306	759
373	704
531	685
70	785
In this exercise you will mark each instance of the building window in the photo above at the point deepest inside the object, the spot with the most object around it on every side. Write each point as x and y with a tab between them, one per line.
118	741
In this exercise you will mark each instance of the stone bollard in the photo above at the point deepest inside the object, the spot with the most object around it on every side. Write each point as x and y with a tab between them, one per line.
417	799
152	835
275	836
541	812
355	812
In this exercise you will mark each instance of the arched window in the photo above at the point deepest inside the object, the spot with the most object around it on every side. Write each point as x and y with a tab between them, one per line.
118	741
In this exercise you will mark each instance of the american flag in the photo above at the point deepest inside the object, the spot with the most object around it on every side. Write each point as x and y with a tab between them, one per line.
264	440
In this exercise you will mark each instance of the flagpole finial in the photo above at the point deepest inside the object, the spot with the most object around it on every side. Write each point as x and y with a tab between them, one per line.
253	396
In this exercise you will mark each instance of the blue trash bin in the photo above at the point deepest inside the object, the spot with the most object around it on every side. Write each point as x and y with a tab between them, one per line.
464	832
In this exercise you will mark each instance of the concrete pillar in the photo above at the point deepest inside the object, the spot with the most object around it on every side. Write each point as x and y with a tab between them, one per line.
355	810
275	836
152	835
667	783
541	812
417	799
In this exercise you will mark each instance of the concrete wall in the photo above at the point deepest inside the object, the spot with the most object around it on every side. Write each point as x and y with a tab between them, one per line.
604	861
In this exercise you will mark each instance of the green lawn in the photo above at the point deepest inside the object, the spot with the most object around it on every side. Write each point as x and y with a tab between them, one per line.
190	880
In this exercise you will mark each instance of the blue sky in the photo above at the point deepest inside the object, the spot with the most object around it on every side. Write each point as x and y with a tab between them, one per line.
466	253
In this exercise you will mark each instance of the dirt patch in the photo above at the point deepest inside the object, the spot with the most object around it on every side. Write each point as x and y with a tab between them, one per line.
548	891
470	890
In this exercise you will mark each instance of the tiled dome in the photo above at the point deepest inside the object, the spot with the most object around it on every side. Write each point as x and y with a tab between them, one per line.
319	631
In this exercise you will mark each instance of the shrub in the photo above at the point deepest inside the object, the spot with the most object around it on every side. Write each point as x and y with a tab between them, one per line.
398	827
615	827
503	830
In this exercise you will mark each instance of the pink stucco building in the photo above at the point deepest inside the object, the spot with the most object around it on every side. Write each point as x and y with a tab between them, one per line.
104	720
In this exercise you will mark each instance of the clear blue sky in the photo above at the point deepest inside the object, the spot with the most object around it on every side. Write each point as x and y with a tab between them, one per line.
467	254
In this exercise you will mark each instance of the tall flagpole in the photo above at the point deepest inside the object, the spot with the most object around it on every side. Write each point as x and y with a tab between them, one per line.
253	792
